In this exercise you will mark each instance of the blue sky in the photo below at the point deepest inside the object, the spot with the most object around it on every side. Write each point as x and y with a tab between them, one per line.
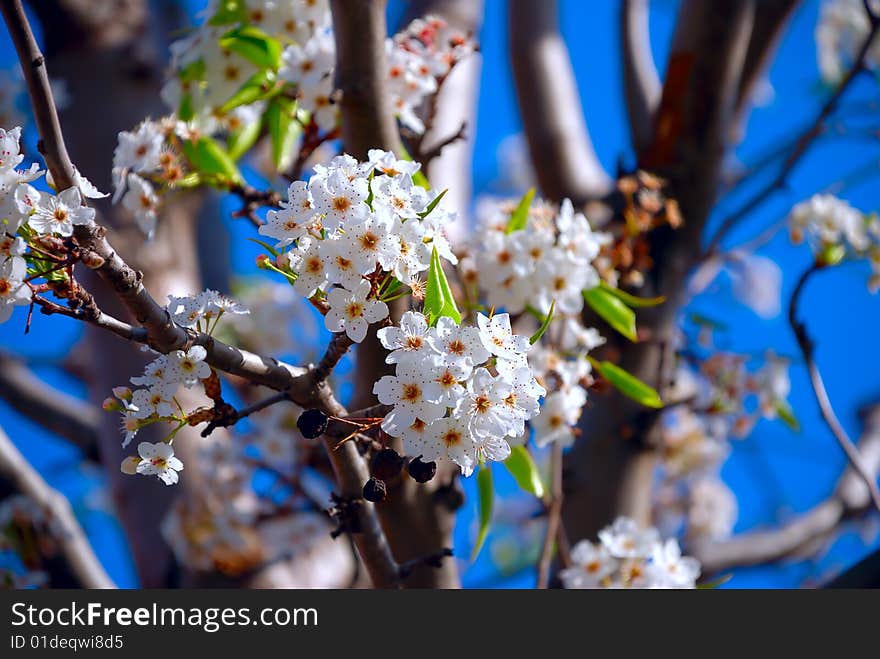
775	472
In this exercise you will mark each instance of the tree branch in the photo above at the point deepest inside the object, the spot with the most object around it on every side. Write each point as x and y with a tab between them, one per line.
554	518
163	335
361	75
800	147
816	525
641	82
806	346
75	547
562	153
58	412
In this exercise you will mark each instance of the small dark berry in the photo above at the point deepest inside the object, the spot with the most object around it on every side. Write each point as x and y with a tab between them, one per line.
374	490
312	423
421	472
451	496
386	464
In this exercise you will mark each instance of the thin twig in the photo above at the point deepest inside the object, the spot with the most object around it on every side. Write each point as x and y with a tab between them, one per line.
825	407
554	515
802	145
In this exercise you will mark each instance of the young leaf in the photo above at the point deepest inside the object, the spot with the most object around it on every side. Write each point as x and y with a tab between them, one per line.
253	89
632	300
192	71
544	325
520	216
254	45
524	470
266	246
185	109
786	415
208	157
438	296
419	177
487	495
629	385
229	11
613	310
243	139
283	129
715	583
433	204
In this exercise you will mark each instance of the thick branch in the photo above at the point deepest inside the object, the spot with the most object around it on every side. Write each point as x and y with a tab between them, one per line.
73	542
562	153
641	82
771	17
56	411
362	77
817	525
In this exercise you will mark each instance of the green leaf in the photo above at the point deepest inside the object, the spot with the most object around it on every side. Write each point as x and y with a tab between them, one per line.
208	157
253	89
433	204
438	296
544	324
786	415
632	301
486	500
524	470
243	139
185	109
283	130
715	583
421	180
266	246
193	71
520	216
629	385
229	11
254	45
613	310
701	319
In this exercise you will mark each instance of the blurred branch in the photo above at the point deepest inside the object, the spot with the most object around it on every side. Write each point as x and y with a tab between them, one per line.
75	547
554	517
817	525
58	412
805	343
771	17
802	145
561	151
641	82
361	75
163	335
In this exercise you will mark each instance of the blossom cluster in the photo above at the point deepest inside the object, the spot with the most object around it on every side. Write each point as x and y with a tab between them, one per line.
354	220
458	392
154	398
628	556
27	213
550	258
834	228
841	30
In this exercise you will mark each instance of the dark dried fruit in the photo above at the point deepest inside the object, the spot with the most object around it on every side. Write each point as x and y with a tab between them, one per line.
374	490
386	464
312	423
421	472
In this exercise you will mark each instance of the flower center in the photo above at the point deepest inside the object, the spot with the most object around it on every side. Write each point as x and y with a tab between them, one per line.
414	342
354	310
456	347
369	240
411	392
341	204
482	404
159	462
451	437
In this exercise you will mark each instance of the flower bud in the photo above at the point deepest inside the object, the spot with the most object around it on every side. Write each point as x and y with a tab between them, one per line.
262	261
129	465
122	393
111	404
91	259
